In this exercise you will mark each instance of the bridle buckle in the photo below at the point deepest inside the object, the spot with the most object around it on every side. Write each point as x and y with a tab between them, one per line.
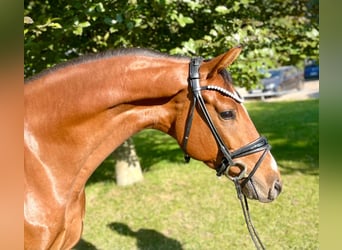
241	175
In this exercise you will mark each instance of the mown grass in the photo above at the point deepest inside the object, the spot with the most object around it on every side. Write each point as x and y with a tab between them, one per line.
181	206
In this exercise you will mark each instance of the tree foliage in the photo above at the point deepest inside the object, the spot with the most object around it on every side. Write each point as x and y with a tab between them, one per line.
272	32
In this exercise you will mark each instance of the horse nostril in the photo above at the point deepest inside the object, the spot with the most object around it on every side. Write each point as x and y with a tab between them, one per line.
275	190
278	186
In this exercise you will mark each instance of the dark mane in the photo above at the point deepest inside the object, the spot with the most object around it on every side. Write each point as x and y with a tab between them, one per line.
102	55
226	76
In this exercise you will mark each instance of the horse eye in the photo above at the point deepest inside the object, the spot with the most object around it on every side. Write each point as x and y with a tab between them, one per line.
227	115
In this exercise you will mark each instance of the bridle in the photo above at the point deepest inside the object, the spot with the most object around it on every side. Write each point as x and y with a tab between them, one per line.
227	162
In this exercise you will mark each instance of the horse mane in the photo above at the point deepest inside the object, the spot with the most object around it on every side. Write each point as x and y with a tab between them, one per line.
102	55
227	76
117	52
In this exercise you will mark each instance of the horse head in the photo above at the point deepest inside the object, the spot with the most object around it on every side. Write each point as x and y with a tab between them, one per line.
219	131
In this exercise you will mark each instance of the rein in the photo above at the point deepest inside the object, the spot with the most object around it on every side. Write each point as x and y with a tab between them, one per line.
227	162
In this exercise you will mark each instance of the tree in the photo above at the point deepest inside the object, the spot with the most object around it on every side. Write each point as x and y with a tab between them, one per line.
127	166
273	32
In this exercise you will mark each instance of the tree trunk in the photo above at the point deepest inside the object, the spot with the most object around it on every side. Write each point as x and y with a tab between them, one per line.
127	166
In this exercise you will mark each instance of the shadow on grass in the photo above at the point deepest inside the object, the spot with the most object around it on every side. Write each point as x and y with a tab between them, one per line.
292	131
84	245
152	147
146	238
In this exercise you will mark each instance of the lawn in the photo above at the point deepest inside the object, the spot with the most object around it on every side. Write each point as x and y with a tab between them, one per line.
185	206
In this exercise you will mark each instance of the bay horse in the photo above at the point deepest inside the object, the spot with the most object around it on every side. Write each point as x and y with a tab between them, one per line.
77	113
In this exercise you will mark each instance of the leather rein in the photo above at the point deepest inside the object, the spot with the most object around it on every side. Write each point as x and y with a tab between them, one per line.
227	162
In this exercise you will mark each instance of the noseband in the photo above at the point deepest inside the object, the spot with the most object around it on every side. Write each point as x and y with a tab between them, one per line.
227	162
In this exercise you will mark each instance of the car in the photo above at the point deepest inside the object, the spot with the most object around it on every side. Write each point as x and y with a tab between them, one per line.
311	71
281	79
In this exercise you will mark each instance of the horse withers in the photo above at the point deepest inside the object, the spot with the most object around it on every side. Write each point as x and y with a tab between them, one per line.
77	113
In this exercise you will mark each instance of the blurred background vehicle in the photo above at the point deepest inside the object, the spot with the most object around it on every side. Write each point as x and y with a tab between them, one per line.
281	79
311	70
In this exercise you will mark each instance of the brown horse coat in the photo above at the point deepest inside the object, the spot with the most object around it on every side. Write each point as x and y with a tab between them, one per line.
77	114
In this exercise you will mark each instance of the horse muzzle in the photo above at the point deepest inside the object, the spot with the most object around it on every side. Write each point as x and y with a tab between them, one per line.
254	190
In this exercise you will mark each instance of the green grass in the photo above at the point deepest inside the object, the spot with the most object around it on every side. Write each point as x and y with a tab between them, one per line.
180	206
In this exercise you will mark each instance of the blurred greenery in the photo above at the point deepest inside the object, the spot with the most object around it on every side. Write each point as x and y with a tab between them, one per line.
273	32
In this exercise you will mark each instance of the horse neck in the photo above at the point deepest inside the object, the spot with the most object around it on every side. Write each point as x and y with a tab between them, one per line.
79	114
93	86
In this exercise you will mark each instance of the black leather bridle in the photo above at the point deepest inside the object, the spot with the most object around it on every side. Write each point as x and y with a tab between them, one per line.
259	144
227	162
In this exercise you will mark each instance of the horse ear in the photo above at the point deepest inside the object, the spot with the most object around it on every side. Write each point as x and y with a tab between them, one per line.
221	62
